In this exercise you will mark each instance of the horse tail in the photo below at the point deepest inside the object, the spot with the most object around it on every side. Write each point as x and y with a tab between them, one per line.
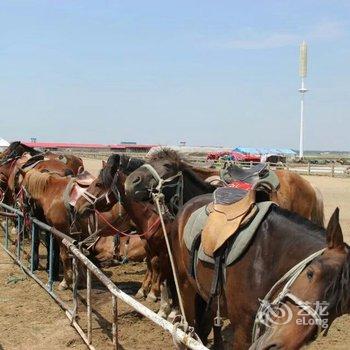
317	213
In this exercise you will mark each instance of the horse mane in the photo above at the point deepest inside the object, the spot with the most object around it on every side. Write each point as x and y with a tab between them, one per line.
166	153
182	164
36	182
314	231
337	291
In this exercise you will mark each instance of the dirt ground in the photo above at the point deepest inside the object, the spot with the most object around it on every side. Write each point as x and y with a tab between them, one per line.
30	319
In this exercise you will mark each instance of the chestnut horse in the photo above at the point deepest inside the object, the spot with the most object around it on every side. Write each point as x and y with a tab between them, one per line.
282	240
46	191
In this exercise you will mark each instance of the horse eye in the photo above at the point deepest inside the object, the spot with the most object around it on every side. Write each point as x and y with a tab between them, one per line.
98	184
310	274
168	166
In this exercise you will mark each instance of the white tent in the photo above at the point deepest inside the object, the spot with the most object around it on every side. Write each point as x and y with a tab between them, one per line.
3	144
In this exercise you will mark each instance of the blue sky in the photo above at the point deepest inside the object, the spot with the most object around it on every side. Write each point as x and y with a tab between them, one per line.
205	72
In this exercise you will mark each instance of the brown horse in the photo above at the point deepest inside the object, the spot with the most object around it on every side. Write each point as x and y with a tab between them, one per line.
294	193
282	240
102	196
47	191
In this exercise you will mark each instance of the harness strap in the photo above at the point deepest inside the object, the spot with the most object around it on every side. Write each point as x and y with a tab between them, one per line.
290	276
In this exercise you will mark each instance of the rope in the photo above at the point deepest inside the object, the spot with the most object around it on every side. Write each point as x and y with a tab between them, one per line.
157	197
123	233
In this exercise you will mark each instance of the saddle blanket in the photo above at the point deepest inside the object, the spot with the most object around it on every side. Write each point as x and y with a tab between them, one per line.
235	247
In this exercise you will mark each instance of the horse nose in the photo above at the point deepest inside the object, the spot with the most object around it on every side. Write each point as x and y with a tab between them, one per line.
136	180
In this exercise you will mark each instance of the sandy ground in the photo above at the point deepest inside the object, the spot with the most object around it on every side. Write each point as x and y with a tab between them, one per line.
29	319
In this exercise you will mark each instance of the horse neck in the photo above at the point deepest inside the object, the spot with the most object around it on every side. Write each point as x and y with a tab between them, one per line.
282	241
194	186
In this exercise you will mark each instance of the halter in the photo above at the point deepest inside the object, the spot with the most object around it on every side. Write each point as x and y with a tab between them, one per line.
92	199
176	200
290	277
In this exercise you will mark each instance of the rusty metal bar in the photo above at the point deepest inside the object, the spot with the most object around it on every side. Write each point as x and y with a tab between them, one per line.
51	267
115	322
8	215
88	305
32	267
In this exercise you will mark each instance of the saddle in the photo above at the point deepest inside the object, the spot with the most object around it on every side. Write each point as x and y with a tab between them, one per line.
257	176
231	210
84	179
251	176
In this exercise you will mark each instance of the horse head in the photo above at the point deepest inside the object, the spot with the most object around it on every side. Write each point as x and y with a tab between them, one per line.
103	193
318	295
167	172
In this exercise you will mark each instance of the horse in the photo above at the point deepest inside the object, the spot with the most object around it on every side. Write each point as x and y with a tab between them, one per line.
282	240
294	193
16	149
47	194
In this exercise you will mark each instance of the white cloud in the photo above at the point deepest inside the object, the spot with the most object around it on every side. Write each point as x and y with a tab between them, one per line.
258	41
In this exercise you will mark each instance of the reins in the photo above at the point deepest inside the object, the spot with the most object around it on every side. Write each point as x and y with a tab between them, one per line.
290	276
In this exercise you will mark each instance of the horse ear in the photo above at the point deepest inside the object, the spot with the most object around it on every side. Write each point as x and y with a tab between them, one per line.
103	163
334	233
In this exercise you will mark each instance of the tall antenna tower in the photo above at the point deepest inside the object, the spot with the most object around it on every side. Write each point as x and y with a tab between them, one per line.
302	90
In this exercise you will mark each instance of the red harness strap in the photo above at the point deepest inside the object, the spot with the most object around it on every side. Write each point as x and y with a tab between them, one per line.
123	233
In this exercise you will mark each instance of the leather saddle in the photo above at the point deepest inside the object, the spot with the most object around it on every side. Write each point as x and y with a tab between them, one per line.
251	176
84	179
231	210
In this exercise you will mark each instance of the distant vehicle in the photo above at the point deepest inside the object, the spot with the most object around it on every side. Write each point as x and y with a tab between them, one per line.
233	156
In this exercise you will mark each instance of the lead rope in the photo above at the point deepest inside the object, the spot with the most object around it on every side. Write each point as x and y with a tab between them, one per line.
158	199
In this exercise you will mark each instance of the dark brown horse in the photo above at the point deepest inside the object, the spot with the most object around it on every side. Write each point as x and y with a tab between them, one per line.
282	240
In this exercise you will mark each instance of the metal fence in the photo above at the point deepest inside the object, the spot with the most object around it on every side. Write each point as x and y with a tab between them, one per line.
331	169
72	312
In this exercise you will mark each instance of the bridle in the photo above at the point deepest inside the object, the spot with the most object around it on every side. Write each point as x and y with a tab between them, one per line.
176	201
289	277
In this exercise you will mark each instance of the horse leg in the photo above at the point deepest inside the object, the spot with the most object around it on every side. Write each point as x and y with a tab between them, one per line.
35	253
204	321
142	292
67	268
165	304
154	293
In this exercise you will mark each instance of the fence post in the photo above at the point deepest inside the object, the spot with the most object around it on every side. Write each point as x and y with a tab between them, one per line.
268	165
115	322
18	237
332	170
88	305
34	254
251	164
50	282
7	233
308	168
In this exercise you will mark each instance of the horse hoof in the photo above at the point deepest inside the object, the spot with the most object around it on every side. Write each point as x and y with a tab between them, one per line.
172	315
162	313
63	286
140	294
151	297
